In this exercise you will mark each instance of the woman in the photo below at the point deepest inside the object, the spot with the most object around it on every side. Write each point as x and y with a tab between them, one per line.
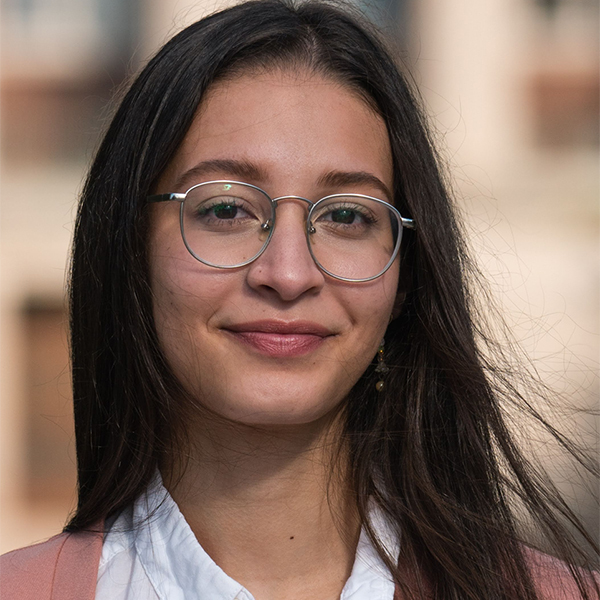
279	389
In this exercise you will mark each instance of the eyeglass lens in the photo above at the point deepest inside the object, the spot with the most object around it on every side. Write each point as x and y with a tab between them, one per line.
351	237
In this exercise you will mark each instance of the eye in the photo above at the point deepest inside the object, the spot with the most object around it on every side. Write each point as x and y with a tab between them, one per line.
347	214
343	215
223	209
216	209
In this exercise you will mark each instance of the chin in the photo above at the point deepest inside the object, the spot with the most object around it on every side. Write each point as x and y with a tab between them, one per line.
276	407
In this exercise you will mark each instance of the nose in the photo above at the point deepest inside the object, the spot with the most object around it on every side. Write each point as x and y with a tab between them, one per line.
286	268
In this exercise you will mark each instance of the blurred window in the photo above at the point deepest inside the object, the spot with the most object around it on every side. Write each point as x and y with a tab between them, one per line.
566	108
61	60
65	38
50	462
551	6
564	84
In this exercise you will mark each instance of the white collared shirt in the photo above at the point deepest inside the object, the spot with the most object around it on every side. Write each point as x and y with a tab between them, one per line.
151	553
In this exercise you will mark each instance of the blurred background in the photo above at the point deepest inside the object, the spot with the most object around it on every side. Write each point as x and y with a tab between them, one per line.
512	90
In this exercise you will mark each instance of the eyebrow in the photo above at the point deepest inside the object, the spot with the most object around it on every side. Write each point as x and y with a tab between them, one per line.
338	179
243	169
246	170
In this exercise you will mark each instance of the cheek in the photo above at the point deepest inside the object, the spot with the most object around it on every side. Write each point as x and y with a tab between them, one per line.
369	308
184	299
178	281
170	316
372	303
179	313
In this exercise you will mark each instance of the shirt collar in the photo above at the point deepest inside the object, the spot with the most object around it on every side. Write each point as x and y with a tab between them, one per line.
176	563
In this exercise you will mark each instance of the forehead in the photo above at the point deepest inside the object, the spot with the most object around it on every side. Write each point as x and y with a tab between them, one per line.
291	126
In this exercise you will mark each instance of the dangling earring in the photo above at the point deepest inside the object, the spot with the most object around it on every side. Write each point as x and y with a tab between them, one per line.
381	367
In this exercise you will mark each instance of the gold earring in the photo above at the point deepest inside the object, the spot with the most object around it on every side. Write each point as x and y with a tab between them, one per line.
381	367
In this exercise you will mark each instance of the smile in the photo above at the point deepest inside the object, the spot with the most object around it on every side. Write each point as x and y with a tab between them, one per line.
279	339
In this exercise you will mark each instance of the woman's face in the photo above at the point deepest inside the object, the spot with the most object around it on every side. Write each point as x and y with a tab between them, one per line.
276	342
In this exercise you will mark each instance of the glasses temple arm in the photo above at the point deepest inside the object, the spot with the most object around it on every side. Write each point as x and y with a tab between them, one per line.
165	197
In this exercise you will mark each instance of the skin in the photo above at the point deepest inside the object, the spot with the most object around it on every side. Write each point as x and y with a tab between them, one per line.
258	470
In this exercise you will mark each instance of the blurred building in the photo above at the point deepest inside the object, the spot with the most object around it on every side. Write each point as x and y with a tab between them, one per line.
512	88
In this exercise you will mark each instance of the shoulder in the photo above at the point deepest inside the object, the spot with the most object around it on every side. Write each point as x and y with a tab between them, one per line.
65	567
28	572
551	577
554	580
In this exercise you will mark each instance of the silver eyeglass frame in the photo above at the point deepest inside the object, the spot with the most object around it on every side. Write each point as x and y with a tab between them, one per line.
269	224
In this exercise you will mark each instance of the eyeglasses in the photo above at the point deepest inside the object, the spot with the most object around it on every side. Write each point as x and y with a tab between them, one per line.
228	224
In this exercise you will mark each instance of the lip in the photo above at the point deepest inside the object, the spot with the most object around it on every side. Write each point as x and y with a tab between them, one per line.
280	339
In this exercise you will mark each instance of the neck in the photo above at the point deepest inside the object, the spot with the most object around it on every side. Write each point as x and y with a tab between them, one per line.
272	507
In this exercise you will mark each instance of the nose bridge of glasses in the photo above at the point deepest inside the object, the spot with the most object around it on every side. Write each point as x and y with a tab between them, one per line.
279	199
290	198
275	202
290	225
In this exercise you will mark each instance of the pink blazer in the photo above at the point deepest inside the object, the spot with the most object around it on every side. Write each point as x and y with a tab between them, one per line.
66	568
63	568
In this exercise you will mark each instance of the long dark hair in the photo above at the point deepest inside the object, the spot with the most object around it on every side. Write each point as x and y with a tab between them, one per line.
432	450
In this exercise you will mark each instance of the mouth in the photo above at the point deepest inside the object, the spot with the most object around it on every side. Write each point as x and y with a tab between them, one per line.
280	339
